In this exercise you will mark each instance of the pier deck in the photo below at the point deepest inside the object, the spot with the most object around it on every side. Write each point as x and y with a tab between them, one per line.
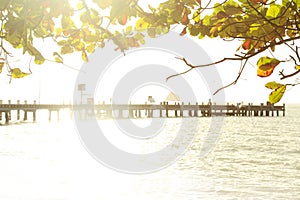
164	109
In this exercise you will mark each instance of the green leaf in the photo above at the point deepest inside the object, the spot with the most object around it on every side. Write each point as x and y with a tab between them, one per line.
39	59
273	85
194	29
277	94
273	11
66	49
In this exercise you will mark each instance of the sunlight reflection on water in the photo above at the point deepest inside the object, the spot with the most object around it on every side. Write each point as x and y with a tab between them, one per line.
255	158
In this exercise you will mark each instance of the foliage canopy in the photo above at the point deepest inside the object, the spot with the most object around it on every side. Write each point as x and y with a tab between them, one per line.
260	25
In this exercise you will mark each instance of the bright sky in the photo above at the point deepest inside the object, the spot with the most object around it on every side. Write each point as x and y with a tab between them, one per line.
55	83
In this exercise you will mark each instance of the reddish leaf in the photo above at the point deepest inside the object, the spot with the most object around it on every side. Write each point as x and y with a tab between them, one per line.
199	2
183	31
185	18
247	44
123	20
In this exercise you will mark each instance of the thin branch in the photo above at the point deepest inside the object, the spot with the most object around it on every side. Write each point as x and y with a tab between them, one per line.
289	75
236	80
294	84
238	58
179	74
68	66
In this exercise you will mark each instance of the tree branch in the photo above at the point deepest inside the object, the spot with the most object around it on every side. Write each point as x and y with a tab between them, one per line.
289	75
236	80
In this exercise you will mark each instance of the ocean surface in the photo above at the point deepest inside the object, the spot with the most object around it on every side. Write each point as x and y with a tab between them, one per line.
253	158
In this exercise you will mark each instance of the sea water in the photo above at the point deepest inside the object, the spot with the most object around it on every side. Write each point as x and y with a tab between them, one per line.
253	158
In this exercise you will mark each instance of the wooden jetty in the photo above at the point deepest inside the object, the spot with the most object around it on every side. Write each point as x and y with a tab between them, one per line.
132	111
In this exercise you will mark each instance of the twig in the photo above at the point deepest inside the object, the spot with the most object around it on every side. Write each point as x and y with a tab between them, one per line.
289	75
236	80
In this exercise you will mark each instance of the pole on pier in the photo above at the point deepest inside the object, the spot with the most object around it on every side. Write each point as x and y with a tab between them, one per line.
9	112
283	109
50	113
7	117
181	109
25	115
160	109
261	109
167	109
196	110
0	112
18	111
34	115
190	111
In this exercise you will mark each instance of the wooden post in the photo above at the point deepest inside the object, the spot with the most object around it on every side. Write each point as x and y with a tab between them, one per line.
238	109
261	109
34	111
283	109
25	112
7	117
190	111
9	112
167	109
34	115
50	113
249	110
18	111
151	113
160	109
130	115
196	110
0	111
181	109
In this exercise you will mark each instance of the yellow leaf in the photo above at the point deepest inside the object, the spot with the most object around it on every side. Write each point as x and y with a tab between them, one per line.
1	66
84	56
266	66
17	73
58	60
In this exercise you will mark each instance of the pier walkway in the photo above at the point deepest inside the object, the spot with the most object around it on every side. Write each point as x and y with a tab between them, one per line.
132	111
